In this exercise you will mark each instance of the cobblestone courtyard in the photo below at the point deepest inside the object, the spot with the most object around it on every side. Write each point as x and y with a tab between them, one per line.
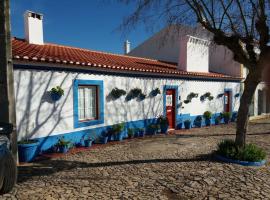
160	167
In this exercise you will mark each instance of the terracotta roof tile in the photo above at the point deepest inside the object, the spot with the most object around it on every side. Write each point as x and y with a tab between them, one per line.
52	53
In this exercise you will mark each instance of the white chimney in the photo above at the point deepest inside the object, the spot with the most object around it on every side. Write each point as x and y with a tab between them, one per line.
33	27
126	47
193	54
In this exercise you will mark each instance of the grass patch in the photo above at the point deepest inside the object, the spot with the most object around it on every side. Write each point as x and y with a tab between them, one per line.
250	152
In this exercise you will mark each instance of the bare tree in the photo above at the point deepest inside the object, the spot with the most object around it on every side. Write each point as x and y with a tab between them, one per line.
240	25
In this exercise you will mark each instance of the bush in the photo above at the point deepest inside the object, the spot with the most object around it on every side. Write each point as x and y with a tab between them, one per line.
207	115
250	152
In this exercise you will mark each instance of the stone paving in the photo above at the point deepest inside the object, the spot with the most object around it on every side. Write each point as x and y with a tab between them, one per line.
161	167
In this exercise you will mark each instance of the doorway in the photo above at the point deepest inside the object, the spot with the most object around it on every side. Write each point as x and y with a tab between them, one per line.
170	107
227	101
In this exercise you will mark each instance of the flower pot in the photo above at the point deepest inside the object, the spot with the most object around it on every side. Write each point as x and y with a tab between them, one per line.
63	149
119	136
187	125
27	152
207	122
141	133
152	131
198	124
164	129
88	143
179	126
217	122
103	140
137	134
55	96
226	120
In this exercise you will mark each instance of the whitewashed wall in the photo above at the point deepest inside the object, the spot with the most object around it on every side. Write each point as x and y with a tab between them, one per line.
38	116
165	46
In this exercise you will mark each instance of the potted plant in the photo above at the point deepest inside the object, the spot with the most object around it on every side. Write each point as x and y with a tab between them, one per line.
152	129
207	115
63	145
187	124
27	150
56	93
88	140
234	117
139	132
117	131
130	133
226	117
217	120
198	121
102	138
164	123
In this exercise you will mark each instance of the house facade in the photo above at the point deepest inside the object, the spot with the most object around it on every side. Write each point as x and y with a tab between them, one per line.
167	45
88	78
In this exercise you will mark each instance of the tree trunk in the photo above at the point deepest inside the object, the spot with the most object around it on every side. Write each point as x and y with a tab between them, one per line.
7	100
250	85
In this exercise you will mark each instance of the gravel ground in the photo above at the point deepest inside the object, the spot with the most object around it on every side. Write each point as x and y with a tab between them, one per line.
174	167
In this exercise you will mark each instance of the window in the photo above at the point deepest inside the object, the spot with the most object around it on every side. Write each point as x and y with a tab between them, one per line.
88	103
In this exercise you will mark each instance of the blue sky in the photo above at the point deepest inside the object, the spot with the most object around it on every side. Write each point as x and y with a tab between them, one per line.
87	24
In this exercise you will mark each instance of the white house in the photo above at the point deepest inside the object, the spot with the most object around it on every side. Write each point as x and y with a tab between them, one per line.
169	45
88	77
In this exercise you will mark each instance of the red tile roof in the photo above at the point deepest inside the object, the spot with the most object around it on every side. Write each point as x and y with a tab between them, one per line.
52	53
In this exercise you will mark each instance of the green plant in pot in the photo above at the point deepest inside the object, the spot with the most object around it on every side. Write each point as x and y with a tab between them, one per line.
198	122
226	117
88	140
56	93
207	115
152	129
117	131
217	120
139	132
27	150
187	124
130	133
63	145
164	123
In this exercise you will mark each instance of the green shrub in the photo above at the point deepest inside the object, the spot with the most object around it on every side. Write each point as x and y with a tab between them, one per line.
207	115
250	152
117	128
130	132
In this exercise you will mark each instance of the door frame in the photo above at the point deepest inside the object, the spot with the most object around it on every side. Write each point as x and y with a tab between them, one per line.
231	99
175	88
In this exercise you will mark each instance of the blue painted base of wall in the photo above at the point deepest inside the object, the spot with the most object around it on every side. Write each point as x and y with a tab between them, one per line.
75	137
46	143
181	118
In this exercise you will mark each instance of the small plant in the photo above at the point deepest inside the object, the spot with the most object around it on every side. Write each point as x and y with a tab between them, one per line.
198	121
162	120
207	95
155	92
250	152
141	96
117	128
117	93
187	101
57	90
134	93
63	143
130	133
226	116
207	115
217	120
187	124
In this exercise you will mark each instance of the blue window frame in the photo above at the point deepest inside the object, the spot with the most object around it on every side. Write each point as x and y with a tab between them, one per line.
99	99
